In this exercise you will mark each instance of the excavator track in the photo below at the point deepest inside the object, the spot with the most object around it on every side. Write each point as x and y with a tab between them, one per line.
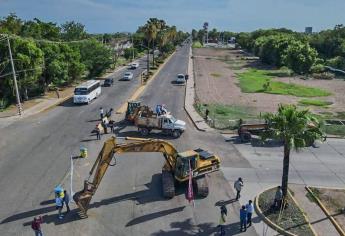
168	184
201	186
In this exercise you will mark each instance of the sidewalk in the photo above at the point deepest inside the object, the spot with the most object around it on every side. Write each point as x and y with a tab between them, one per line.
316	216
44	103
198	121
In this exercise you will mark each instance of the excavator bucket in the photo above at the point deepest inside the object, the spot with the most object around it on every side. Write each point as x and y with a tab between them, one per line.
83	198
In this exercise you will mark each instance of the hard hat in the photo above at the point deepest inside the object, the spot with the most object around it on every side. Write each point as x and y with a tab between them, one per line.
58	189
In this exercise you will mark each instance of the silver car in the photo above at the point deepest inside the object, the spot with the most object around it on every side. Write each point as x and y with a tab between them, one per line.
127	76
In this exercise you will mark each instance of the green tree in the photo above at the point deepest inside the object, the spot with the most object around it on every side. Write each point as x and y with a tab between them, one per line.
95	56
296	128
73	31
130	52
40	30
11	24
300	56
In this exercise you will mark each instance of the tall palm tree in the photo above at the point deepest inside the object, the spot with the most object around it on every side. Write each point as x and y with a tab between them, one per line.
296	128
150	34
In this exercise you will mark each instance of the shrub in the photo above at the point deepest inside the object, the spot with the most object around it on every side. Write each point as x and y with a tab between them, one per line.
318	68
324	76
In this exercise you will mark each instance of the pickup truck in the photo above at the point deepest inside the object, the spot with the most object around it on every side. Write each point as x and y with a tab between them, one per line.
166	123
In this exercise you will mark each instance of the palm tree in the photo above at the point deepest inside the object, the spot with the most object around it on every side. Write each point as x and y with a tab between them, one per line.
150	34
296	128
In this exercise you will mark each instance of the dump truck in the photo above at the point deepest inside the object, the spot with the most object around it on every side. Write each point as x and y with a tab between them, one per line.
146	122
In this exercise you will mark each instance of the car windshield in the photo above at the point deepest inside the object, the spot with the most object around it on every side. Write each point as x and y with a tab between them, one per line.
80	91
180	76
107	81
127	74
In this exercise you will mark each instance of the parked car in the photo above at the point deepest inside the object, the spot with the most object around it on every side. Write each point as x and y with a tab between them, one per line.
180	79
127	76
134	65
108	82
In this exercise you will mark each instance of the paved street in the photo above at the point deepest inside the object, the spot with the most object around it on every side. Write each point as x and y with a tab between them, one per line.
35	156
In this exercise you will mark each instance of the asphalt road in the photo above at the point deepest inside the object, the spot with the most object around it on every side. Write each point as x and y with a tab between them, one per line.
35	151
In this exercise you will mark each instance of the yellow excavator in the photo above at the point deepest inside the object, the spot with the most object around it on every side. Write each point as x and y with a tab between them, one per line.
175	169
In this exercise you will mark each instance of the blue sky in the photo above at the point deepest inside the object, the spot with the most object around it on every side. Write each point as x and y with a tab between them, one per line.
100	16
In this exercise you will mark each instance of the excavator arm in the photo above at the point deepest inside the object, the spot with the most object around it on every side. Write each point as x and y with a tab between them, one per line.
106	156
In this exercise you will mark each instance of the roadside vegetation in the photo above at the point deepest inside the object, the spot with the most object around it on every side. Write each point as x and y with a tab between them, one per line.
314	102
225	116
48	56
291	218
196	44
261	81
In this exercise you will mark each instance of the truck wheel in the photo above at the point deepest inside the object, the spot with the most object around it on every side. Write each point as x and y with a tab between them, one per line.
245	137
168	184
176	133
144	131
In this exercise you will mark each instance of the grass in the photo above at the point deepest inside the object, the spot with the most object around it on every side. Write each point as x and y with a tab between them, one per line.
314	102
196	44
216	75
292	218
260	81
221	114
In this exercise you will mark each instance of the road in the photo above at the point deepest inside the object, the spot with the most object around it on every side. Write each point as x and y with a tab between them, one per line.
35	157
35	151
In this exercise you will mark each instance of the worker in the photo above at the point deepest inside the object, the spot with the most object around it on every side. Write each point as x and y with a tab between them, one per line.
66	200
164	109
238	186
98	132
278	198
108	113
206	114
112	126
36	225
101	112
222	220
159	110
104	125
59	206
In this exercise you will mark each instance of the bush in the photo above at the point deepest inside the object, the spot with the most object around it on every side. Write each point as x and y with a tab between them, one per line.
197	44
319	68
324	76
128	54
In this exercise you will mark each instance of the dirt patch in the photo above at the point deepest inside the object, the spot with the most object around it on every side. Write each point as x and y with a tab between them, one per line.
334	201
224	89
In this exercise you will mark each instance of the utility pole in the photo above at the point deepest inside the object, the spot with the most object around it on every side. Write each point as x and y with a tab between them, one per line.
19	105
132	48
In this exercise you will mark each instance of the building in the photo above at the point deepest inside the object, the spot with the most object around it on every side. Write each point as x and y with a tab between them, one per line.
308	30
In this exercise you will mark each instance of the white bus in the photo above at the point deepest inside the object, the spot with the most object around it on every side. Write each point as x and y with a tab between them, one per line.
87	91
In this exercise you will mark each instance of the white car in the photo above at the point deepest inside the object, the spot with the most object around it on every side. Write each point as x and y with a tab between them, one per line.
127	76
180	79
134	65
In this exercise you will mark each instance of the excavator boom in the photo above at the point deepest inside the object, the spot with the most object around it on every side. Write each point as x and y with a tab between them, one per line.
104	159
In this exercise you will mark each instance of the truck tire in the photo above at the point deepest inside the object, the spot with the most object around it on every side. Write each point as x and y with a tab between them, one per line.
144	131
245	137
168	184
176	133
201	186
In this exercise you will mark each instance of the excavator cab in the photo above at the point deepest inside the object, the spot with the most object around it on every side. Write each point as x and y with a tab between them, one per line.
131	106
184	162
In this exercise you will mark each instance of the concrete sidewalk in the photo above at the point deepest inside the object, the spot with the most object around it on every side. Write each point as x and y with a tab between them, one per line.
198	121
316	216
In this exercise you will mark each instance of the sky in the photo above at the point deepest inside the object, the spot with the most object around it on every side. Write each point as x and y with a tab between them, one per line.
107	16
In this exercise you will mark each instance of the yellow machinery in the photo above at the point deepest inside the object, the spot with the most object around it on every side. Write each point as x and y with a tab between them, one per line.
176	167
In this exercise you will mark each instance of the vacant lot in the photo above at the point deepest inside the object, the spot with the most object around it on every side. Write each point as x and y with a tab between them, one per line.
219	80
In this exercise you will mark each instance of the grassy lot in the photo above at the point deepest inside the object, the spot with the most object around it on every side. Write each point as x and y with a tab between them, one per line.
196	44
291	218
225	116
260	81
314	102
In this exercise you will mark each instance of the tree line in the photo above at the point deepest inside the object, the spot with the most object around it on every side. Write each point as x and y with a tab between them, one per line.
302	53
47	55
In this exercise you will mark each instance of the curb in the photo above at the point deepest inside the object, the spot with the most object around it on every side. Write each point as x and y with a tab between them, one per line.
324	209
268	221
141	88
185	107
304	214
275	226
